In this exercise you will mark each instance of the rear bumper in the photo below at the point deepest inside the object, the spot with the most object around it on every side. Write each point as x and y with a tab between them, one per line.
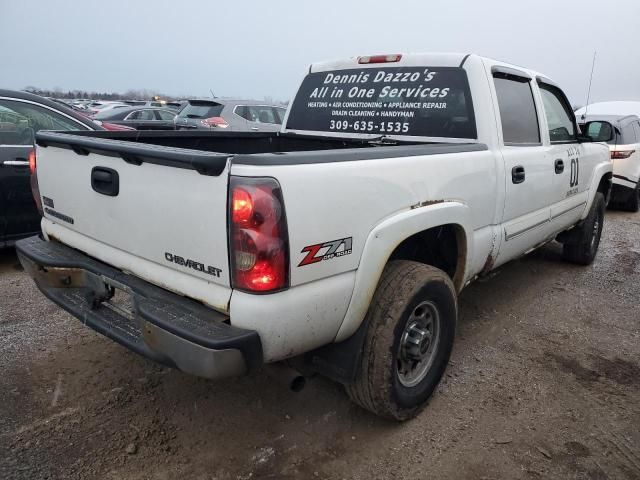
160	325
621	192
622	181
10	240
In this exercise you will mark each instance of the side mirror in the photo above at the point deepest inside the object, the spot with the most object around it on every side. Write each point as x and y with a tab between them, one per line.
598	131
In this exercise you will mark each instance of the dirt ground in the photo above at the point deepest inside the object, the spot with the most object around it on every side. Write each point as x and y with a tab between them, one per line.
544	382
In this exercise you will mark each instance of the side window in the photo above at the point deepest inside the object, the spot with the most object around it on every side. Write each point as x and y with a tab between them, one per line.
280	113
636	128
242	111
20	120
141	115
559	115
165	115
517	110
259	114
628	134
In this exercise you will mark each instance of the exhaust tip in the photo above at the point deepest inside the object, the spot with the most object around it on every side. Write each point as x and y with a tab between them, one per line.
286	376
298	383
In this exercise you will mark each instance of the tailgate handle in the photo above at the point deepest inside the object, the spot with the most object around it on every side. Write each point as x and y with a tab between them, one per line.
105	181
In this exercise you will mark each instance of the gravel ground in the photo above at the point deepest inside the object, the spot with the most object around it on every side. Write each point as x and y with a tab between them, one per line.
544	382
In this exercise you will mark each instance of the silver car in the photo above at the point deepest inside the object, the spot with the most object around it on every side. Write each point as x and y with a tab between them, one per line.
230	115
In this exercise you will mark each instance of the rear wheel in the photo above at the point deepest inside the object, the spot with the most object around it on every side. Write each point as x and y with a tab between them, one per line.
583	245
409	340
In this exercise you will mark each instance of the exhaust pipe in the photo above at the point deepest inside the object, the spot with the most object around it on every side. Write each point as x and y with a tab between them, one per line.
286	376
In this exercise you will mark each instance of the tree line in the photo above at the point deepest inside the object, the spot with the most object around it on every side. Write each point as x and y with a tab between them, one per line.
132	94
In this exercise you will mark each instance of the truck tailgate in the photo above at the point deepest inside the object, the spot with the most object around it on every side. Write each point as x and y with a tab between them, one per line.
167	213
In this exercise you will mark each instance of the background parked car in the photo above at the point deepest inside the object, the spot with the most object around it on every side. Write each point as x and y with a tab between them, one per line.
235	115
140	118
21	116
618	109
623	138
96	107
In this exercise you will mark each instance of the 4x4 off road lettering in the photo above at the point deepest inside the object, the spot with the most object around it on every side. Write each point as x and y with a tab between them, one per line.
185	262
315	253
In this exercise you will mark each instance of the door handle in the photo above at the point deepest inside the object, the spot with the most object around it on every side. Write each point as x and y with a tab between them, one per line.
18	162
105	181
559	165
255	128
517	174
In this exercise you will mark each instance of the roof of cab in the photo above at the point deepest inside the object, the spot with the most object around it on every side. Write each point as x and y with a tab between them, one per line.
439	59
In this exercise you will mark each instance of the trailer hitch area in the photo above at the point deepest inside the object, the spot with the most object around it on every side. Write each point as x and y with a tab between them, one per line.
97	288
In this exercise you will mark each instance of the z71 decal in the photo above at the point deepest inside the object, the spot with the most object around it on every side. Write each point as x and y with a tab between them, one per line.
317	253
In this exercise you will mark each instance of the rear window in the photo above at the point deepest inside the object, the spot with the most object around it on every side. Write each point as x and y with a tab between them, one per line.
417	101
201	110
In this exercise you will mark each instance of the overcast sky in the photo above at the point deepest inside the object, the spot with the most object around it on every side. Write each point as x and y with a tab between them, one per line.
258	48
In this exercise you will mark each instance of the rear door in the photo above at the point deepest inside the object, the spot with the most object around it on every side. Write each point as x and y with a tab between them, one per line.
16	142
165	119
528	179
19	120
143	119
261	118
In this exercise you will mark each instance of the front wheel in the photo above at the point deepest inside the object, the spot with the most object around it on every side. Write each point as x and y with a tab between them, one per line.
411	328
583	246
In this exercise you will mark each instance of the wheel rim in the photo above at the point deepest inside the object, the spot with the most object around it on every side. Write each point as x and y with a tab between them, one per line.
418	344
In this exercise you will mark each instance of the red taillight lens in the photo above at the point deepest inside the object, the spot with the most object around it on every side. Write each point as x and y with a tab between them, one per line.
380	58
241	207
113	127
35	189
218	122
620	154
258	243
32	162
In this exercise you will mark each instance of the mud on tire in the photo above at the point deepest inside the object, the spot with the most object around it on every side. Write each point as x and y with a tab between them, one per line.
409	293
582	247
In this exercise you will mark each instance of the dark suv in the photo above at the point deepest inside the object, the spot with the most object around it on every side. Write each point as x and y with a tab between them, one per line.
21	115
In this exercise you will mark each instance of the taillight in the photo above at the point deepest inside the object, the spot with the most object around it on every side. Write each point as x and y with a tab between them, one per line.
381	58
620	154
32	162
113	127
35	189
218	122
258	241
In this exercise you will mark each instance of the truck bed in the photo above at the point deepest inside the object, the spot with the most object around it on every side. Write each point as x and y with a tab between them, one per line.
208	152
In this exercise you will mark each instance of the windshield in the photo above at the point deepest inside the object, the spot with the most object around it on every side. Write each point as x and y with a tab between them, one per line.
416	101
201	110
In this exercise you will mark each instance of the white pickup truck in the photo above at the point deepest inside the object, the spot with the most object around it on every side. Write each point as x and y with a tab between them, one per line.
339	244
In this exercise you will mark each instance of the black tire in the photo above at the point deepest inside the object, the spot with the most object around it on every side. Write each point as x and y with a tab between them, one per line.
583	246
405	288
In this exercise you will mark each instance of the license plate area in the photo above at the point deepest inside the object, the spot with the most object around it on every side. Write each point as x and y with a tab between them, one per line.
121	299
